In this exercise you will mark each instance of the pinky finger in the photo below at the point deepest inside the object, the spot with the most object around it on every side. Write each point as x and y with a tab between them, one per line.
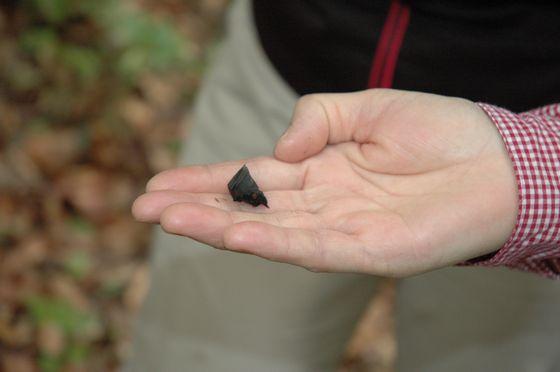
315	250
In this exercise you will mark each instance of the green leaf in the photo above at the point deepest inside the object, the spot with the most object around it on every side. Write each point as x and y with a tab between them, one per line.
144	44
131	63
110	289
73	321
78	264
50	363
38	125
76	353
54	11
41	43
174	146
81	225
84	62
23	76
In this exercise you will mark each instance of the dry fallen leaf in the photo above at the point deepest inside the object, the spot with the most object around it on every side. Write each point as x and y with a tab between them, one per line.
138	114
124	237
29	252
50	339
66	289
86	189
159	93
53	149
17	361
137	288
15	331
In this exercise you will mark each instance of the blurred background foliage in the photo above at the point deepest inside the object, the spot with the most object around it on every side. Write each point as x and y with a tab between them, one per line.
93	98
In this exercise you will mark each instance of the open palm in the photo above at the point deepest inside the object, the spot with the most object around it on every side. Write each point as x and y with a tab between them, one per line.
384	182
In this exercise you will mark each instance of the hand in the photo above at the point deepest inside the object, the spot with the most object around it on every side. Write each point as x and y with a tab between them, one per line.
385	182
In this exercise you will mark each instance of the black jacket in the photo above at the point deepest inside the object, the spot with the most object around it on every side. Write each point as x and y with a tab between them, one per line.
502	52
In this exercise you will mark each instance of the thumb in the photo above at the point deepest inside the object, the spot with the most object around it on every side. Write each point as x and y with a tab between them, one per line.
321	119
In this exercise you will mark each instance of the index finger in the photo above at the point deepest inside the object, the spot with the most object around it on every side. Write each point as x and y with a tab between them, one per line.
268	173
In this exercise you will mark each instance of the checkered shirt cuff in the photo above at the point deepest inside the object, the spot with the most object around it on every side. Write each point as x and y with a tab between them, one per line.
532	140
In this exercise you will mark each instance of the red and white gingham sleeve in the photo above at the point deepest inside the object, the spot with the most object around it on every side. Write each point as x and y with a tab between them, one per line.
532	140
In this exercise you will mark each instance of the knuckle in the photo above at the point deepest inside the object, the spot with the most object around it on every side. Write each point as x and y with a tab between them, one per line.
157	182
312	98
313	104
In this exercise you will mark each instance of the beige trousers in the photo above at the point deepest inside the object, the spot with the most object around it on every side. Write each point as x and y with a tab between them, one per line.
210	310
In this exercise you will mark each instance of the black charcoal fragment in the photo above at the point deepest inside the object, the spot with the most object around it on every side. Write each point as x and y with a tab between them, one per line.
243	188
